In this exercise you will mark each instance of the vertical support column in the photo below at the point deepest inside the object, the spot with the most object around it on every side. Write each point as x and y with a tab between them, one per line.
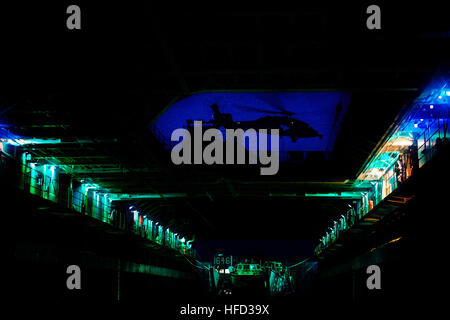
70	194
23	172
118	280
354	295
212	284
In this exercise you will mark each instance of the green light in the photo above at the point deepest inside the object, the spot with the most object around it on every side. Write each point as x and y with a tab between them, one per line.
174	195
21	142
126	196
282	194
353	195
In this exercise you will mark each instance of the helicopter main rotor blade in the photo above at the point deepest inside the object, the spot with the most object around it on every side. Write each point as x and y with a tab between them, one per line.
284	111
259	110
275	103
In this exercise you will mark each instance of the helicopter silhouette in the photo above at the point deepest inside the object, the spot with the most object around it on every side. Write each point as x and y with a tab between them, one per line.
281	120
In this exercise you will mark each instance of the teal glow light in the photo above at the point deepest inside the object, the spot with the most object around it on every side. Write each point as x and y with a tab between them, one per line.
21	142
13	142
87	186
352	195
126	196
282	194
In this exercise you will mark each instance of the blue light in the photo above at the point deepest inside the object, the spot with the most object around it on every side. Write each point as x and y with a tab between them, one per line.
322	111
431	106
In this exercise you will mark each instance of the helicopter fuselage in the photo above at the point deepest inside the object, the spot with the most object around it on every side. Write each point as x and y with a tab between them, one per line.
288	126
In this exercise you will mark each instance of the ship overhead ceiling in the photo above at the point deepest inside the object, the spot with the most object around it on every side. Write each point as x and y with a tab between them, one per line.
99	92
